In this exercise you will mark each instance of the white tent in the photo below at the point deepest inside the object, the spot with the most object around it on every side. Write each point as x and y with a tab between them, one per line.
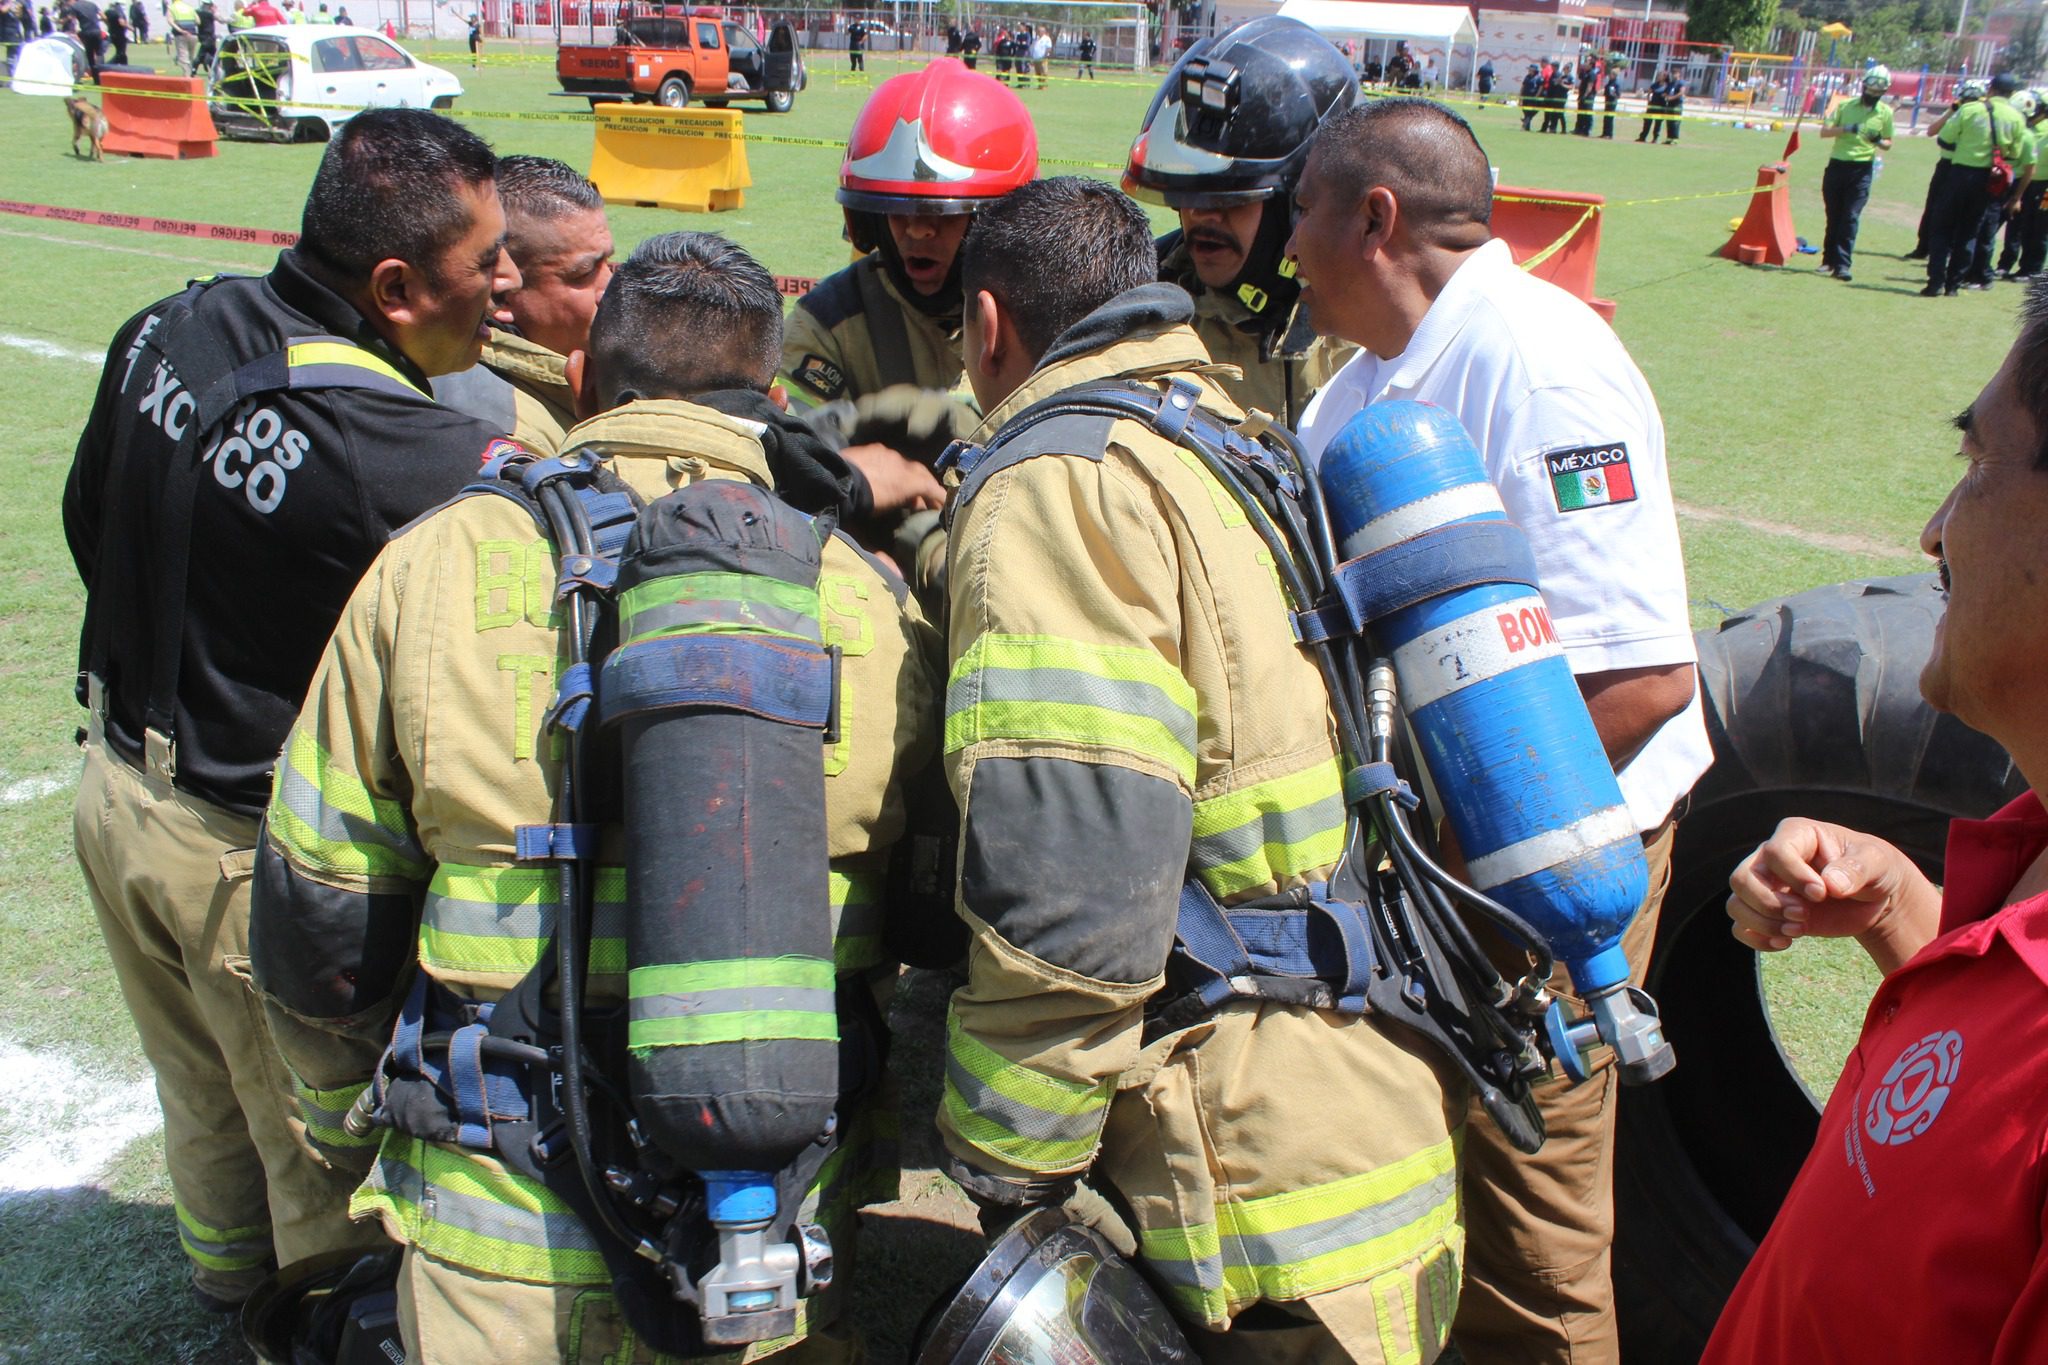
1446	24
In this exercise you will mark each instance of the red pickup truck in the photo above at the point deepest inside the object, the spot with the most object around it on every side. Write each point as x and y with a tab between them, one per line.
674	56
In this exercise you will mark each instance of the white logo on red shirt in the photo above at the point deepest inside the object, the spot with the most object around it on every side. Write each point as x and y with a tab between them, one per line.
1912	1093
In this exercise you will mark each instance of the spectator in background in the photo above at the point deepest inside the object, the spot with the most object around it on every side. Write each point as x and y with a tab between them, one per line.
476	40
1674	107
1041	54
341	18
1612	93
1589	82
953	40
1485	79
44	24
856	46
970	48
1532	95
1087	66
11	36
209	36
92	34
138	20
1653	111
117	34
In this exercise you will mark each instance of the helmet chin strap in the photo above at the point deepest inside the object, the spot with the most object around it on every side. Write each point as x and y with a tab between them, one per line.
1267	285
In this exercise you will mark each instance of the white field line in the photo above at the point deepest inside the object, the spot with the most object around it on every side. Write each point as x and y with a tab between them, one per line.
62	1125
28	789
50	350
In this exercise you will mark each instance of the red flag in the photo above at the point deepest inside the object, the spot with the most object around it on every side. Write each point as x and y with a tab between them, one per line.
1792	142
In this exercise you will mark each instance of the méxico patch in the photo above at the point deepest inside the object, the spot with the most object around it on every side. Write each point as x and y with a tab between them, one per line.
1590	476
820	376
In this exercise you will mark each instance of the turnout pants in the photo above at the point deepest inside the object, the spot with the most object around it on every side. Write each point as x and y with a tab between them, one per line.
1844	188
1960	206
452	1316
169	877
1539	1229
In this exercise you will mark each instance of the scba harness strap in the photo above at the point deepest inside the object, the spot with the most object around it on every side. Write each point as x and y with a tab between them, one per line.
1378	943
504	1077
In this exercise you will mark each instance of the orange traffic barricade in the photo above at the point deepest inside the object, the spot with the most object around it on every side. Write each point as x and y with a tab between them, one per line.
151	115
1555	236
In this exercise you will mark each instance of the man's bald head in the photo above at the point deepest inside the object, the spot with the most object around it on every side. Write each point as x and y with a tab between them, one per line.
1424	154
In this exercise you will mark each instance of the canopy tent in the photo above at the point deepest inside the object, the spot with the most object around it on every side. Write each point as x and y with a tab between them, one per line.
1446	24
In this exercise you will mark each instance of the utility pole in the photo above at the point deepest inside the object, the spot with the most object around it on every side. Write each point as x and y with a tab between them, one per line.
1961	21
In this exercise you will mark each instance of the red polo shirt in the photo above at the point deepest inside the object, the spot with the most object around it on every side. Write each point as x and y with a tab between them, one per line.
1916	1229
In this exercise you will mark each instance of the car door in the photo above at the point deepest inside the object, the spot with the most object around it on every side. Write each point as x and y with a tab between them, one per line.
780	69
394	78
743	55
338	77
711	61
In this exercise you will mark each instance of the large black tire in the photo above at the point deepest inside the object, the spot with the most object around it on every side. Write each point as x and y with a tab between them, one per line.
1814	708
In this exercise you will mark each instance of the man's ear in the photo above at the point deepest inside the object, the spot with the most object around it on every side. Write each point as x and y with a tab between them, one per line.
995	338
1379	218
582	385
395	291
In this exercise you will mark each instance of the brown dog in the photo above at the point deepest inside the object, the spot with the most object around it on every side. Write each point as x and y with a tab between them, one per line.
86	122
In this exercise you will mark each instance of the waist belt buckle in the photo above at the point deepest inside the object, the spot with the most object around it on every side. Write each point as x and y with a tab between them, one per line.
159	755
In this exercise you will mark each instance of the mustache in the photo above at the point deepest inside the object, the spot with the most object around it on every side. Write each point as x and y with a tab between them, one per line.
1211	237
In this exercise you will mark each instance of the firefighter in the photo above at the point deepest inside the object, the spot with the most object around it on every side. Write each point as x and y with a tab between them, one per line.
1128	720
555	229
1860	129
929	148
425	748
253	444
1229	170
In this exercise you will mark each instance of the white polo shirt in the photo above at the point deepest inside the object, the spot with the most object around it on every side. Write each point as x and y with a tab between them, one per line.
1572	439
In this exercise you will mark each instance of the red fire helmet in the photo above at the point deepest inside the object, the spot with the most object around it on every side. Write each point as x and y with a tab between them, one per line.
941	140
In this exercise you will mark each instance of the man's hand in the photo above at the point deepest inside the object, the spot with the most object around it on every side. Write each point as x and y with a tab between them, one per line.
1816	880
896	483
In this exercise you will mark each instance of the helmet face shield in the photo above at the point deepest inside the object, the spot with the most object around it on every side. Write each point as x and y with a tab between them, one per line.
1053	1291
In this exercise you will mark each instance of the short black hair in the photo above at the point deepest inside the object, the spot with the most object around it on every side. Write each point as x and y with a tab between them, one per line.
1053	251
388	188
1426	154
541	187
686	313
2031	371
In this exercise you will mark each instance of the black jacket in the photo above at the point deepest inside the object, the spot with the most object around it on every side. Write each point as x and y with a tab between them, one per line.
298	491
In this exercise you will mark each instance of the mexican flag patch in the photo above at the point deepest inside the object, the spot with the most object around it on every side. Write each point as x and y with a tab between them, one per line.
1590	476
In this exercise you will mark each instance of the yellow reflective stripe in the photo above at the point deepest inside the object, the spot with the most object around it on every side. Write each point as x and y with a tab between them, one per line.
472	1212
324	1110
225	1249
1305	1242
856	895
1026	1118
498	920
327	818
1270	832
341	353
1046	689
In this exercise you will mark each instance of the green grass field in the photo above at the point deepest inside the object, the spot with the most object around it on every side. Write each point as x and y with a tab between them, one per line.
1807	431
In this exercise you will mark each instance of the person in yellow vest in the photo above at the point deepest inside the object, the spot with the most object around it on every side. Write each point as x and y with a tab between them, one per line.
321	16
183	34
556	232
1981	130
1860	129
2026	238
427	750
1129	723
241	18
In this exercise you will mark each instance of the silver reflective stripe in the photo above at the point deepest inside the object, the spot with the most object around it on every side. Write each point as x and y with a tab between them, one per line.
720	612
335	825
1267	827
489	919
1553	846
468	1213
1299	1244
1022	1119
1424	514
734	1000
1071	686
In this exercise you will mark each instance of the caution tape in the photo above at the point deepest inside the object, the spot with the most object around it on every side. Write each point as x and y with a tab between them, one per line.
646	119
1540	257
793	286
